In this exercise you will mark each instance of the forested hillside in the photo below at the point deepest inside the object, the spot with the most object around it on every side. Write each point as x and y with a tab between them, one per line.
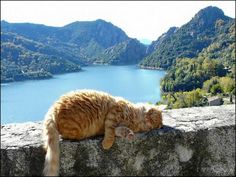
190	80
35	51
22	59
127	52
188	40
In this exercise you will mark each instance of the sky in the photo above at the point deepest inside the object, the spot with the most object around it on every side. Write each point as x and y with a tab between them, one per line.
139	19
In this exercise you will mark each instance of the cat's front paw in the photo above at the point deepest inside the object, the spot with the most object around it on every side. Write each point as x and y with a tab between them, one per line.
106	144
130	136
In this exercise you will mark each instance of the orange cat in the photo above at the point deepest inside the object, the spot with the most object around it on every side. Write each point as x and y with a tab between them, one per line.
81	114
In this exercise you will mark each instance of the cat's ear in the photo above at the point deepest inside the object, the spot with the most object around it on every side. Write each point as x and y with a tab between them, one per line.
149	114
150	111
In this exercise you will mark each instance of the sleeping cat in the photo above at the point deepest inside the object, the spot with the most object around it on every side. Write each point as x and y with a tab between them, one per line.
86	113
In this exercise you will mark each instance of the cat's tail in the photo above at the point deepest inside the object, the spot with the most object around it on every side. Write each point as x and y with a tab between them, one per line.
51	145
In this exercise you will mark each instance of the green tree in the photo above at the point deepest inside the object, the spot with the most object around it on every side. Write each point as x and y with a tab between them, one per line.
207	85
227	84
216	89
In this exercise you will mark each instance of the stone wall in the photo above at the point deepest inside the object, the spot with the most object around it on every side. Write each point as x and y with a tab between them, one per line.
193	142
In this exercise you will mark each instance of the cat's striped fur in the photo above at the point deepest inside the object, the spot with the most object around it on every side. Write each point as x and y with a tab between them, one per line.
86	113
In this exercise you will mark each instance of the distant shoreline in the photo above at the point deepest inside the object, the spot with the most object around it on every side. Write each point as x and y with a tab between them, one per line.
150	67
105	64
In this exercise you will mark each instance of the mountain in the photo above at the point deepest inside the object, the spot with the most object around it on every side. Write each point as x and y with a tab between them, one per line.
44	50
37	32
23	59
223	46
155	44
127	52
100	31
187	41
216	60
91	38
82	39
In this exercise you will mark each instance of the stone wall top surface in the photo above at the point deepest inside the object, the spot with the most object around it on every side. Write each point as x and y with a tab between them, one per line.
188	119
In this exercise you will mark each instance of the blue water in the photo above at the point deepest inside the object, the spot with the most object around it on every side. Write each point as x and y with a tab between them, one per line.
30	100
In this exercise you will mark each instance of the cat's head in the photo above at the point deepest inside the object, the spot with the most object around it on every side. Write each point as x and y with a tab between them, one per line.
153	118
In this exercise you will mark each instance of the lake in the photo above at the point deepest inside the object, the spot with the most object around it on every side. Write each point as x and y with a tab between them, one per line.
30	100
